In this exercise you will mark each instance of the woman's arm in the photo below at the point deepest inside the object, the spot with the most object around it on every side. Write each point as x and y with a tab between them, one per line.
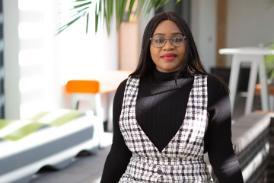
119	155
218	137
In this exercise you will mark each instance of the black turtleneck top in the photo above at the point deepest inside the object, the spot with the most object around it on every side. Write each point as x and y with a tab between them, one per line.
160	110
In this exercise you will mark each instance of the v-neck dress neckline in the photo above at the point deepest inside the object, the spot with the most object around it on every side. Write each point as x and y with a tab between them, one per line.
177	130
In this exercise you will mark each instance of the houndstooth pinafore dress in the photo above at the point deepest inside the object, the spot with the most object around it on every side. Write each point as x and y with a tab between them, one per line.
182	160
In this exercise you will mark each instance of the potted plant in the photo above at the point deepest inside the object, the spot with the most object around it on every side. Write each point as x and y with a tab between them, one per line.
106	9
269	65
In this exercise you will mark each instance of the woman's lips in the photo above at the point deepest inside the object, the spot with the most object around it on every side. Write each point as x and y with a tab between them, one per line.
169	56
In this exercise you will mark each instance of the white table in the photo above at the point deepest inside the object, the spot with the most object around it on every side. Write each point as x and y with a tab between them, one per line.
254	56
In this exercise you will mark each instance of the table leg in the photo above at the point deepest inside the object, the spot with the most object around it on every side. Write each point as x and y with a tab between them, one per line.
110	112
251	85
263	83
271	101
233	80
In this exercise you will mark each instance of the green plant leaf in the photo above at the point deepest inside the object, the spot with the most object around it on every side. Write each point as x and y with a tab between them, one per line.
64	27
104	10
87	22
120	9
269	64
131	3
86	4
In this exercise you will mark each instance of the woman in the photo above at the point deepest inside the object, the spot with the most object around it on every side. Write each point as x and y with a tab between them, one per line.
169	112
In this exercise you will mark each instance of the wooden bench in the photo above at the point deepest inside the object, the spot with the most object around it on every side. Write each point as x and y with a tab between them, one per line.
250	138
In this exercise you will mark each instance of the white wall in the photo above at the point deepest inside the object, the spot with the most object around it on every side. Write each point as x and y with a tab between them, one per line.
250	22
11	49
203	26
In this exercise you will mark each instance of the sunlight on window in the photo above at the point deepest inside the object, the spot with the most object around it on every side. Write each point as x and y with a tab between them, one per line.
30	30
36	60
30	5
31	57
27	110
29	84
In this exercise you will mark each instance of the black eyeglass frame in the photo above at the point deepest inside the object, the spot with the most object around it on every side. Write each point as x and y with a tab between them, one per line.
168	39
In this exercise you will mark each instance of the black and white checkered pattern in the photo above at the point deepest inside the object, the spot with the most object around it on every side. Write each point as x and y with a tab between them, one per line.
182	159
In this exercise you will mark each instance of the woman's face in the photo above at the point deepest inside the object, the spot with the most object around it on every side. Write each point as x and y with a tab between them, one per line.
167	55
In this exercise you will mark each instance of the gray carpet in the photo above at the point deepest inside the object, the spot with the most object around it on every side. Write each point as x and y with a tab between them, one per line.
84	169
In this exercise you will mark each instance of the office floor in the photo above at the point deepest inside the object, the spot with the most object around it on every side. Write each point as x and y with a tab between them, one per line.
88	168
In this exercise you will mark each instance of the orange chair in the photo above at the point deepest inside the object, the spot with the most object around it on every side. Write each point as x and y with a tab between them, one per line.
85	90
82	86
88	90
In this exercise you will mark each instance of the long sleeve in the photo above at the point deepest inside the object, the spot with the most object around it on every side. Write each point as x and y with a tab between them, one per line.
119	155
218	137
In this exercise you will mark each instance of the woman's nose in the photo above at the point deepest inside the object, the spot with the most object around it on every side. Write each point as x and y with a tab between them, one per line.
168	45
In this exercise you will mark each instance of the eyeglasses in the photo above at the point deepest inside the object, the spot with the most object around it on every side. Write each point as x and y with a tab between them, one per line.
160	41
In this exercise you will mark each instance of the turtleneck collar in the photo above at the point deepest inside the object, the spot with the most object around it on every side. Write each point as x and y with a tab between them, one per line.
161	82
165	76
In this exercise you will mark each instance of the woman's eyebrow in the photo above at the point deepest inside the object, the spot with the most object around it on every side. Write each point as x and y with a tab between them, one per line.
162	34
175	33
